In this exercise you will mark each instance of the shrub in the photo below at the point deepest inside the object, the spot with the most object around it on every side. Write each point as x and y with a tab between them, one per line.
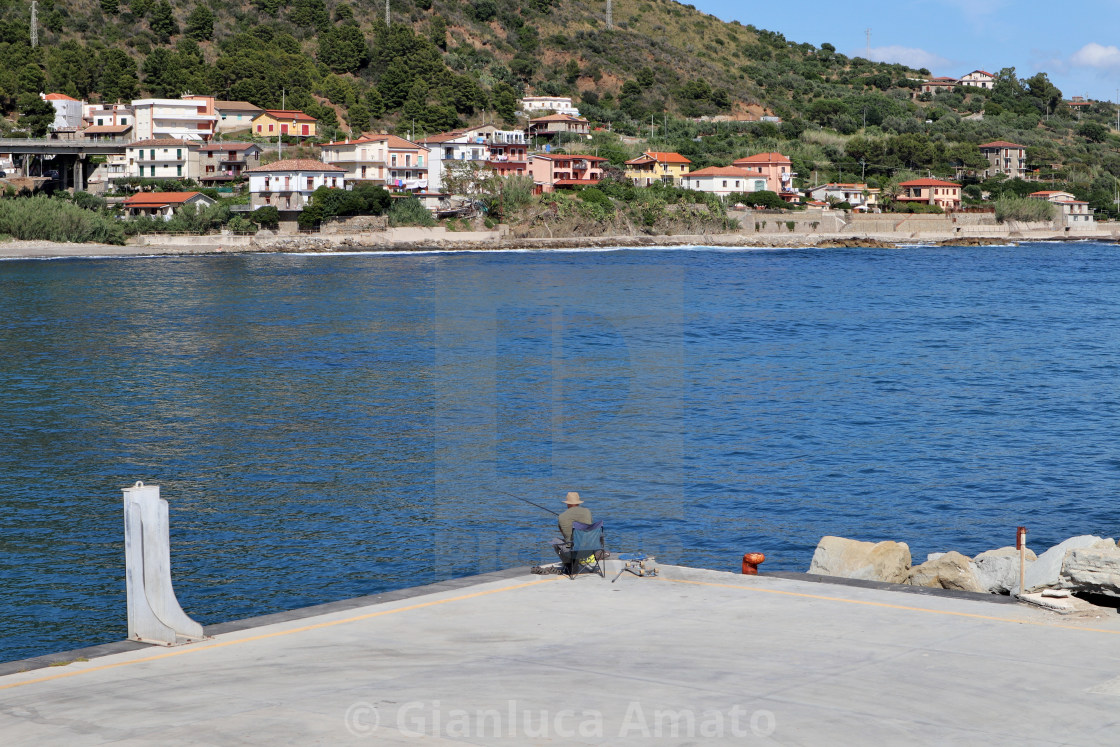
42	218
1026	209
409	211
267	217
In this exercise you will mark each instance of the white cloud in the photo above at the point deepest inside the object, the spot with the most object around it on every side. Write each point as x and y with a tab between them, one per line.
910	56
1097	55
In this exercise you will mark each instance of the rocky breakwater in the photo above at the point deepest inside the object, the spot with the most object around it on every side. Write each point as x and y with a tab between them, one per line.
1080	565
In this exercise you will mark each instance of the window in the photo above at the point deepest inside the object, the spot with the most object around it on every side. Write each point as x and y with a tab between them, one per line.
152	154
393	162
178	154
725	184
420	161
260	128
267	199
178	171
334	182
272	128
407	159
306	130
100	121
310	183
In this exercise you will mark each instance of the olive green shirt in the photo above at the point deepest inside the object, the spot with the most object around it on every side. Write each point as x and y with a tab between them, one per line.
575	513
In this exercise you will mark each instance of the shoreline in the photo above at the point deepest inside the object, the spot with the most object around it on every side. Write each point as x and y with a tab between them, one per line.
450	242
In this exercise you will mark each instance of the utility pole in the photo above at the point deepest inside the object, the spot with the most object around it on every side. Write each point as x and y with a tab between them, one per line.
610	15
34	24
387	12
862	170
869	44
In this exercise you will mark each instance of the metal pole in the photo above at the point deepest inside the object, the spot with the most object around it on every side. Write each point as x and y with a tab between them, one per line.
1021	544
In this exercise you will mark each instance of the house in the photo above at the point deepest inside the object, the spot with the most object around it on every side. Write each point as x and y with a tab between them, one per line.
288	185
273	122
163	204
1074	213
503	151
557	104
769	171
67	111
225	161
721	180
979	79
656	166
108	133
858	195
559	126
558	171
946	195
162	158
181	119
1078	103
101	115
1005	158
938	85
382	159
234	116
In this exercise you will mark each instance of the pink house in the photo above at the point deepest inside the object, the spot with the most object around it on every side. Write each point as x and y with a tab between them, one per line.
775	168
552	172
946	195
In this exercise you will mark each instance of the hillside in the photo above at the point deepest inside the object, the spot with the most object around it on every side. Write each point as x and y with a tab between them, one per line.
661	74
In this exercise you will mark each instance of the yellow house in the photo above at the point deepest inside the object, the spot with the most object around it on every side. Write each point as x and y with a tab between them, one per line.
653	166
273	122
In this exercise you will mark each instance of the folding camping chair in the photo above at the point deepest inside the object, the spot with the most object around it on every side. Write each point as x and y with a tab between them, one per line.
584	553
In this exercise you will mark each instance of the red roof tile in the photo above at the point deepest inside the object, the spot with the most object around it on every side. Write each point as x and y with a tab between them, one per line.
927	183
720	171
58	97
1000	144
295	164
155	199
757	158
294	114
165	142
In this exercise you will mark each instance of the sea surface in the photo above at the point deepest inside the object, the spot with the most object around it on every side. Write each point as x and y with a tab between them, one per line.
331	426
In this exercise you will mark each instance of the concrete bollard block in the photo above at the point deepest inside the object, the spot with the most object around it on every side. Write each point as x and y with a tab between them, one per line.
154	614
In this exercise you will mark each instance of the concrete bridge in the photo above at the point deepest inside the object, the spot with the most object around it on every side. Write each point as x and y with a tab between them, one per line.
70	158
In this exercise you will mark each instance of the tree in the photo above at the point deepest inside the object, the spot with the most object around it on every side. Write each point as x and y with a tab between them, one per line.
35	114
483	10
110	7
200	23
437	31
163	21
1093	131
267	217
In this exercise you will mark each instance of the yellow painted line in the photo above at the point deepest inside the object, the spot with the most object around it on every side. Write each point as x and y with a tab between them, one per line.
866	603
194	649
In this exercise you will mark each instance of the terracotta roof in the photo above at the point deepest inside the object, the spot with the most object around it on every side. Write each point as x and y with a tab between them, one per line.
1079	103
162	143
842	186
927	183
237	106
1000	144
295	164
391	140
157	199
772	157
294	114
660	157
58	97
558	118
443	137
572	182
559	156
231	146
107	129
985	72
1048	192
720	171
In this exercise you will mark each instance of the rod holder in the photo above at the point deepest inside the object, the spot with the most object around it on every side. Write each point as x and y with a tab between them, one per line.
154	614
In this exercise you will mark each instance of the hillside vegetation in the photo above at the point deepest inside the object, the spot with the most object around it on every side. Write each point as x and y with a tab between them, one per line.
661	74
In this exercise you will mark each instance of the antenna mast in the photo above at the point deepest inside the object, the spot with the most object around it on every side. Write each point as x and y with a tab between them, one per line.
868	45
610	15
34	24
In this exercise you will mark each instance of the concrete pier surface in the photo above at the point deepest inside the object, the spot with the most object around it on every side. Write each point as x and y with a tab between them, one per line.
689	657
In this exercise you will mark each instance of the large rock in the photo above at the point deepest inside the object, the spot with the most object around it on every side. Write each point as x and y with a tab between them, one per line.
883	561
997	571
950	570
1046	572
1093	569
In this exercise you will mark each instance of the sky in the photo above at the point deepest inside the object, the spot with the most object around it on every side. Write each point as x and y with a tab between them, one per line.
1075	43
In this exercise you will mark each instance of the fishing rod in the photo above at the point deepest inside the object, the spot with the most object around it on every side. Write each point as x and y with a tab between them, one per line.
511	495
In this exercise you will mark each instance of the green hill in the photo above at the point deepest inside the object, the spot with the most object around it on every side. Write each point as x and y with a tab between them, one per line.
663	73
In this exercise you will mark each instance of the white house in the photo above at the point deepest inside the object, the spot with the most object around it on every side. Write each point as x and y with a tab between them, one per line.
184	119
67	111
979	79
558	104
161	158
503	151
859	196
387	160
718	180
289	184
163	204
107	115
1075	213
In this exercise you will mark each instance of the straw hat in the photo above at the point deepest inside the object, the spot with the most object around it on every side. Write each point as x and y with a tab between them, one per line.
572	499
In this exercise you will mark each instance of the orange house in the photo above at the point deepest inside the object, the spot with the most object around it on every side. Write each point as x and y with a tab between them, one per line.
946	195
775	168
273	122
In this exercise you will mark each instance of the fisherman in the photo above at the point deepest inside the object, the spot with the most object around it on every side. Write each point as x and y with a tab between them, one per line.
576	512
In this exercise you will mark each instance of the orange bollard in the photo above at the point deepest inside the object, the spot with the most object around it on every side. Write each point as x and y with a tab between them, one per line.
751	561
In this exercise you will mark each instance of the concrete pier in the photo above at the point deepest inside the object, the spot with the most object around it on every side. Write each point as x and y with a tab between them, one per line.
689	657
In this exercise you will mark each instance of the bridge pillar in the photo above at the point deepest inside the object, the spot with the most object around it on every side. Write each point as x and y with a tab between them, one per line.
79	174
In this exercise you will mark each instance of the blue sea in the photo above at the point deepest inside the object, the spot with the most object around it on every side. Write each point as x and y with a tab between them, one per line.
330	426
